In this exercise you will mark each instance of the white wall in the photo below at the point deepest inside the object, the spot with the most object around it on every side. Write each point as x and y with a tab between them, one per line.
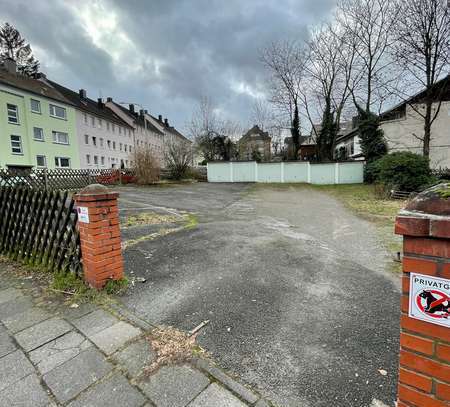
291	172
103	131
400	134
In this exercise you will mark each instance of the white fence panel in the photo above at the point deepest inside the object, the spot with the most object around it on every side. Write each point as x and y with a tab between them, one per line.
295	172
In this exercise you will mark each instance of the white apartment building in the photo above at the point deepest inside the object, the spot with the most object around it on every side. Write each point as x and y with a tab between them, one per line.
104	139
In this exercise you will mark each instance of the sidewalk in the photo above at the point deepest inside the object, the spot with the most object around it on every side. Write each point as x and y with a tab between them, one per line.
55	355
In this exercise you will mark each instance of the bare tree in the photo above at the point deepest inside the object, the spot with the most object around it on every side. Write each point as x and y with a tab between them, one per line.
329	69
422	48
368	26
146	165
285	61
178	159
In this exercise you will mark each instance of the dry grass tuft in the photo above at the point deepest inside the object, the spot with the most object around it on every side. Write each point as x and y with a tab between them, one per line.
171	347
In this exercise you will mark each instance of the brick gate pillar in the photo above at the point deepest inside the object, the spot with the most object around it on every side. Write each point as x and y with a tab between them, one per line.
98	224
424	374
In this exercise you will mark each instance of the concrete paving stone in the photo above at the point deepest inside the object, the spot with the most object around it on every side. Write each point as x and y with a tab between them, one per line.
23	320
114	391
14	307
9	294
77	374
216	395
38	335
58	351
242	391
6	344
174	386
135	357
95	322
114	337
14	367
25	392
71	313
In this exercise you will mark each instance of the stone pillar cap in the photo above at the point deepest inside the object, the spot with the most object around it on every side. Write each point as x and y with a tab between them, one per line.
95	192
432	201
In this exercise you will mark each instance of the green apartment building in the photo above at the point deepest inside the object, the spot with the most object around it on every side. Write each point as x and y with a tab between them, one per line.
37	124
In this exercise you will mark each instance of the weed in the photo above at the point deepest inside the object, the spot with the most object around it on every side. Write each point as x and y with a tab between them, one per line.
116	286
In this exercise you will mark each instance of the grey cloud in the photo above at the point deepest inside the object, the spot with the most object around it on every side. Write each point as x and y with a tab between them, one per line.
205	46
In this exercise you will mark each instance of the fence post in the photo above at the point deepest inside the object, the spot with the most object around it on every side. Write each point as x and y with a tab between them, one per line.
256	171
282	171
309	173
98	223
424	374
231	171
336	173
45	178
120	176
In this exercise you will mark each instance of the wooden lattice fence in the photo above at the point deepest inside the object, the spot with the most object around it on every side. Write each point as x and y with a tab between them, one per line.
64	178
38	227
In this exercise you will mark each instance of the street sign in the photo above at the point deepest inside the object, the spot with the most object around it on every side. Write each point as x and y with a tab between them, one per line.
429	299
83	214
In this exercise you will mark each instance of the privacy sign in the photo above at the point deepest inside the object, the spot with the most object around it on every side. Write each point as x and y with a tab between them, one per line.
83	214
429	299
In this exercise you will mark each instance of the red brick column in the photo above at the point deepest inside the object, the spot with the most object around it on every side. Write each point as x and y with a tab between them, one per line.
424	374
98	223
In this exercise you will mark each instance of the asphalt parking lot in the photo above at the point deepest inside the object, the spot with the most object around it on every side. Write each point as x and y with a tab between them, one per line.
294	285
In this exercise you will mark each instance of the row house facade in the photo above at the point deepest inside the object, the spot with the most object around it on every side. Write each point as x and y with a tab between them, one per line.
104	139
46	125
37	124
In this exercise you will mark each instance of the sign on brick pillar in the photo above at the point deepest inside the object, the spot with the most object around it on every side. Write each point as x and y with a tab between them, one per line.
424	373
98	223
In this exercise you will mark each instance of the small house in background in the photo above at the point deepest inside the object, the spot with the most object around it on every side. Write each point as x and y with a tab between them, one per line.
255	145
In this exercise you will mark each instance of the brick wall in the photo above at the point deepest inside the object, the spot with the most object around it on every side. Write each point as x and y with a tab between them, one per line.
100	238
424	373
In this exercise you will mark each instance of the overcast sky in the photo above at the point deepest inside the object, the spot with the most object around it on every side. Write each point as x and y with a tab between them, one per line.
163	54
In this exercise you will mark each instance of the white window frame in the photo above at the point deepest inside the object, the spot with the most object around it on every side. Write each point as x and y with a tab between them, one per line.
86	139
19	145
94	141
45	161
31	106
55	138
13	113
58	162
101	142
34	134
95	159
88	159
102	160
53	109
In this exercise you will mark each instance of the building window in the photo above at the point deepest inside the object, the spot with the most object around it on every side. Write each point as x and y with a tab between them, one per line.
113	127
130	149
62	162
120	146
96	159
13	114
100	123
41	161
86	139
38	134
125	147
93	121
103	160
101	142
60	137
57	111
35	106
109	144
120	130
94	141
88	159
85	118
16	145
114	145
107	126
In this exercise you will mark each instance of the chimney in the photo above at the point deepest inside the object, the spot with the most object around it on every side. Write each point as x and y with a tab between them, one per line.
146	111
166	122
160	118
82	94
109	99
141	113
41	75
131	108
100	103
10	65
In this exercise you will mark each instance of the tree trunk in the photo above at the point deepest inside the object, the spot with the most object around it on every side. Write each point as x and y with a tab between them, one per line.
427	128
295	132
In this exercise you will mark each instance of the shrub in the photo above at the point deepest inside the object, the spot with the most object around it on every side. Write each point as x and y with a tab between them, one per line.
402	170
146	165
178	160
